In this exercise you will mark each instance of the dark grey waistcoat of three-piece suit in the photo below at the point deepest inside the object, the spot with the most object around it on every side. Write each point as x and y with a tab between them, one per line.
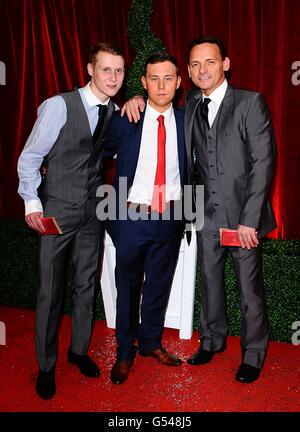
234	160
68	192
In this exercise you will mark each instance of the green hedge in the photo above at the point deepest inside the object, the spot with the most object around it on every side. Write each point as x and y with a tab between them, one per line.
281	267
144	42
19	280
19	269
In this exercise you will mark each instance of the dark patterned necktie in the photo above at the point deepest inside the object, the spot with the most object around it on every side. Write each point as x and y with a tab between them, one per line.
101	116
204	110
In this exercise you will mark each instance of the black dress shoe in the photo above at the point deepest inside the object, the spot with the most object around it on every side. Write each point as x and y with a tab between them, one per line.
85	364
45	385
120	371
203	356
247	373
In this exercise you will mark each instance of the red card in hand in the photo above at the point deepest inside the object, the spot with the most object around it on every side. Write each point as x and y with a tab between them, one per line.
51	226
229	237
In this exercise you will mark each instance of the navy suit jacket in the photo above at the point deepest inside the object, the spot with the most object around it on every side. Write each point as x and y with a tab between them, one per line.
124	140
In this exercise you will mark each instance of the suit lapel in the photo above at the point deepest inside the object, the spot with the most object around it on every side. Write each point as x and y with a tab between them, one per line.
190	111
179	118
84	117
137	141
225	117
223	126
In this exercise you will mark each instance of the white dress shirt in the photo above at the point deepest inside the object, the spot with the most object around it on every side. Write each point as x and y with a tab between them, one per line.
143	184
216	98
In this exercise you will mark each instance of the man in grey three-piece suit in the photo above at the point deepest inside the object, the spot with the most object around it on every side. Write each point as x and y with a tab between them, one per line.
231	151
68	139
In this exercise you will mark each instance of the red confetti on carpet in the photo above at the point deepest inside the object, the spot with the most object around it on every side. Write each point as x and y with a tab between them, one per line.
151	387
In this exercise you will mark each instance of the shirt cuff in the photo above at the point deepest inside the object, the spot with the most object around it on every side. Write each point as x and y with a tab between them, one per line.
32	206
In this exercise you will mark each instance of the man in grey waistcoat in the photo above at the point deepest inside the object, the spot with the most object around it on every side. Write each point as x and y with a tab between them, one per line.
67	139
231	151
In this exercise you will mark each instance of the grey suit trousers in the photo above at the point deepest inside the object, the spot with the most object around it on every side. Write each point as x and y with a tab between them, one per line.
81	240
213	320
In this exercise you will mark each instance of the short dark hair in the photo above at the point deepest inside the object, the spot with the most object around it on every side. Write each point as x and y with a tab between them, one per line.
108	47
160	57
212	40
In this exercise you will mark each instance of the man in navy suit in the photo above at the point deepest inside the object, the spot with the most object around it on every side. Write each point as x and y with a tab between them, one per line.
148	230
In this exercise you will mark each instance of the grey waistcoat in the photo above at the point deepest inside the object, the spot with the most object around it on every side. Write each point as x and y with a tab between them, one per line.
206	150
73	164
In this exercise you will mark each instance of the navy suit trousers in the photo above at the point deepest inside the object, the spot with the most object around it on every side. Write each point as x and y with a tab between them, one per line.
146	258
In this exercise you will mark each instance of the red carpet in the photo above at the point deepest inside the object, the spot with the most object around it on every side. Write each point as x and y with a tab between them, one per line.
151	387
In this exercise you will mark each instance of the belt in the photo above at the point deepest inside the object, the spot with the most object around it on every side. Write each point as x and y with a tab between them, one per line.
147	208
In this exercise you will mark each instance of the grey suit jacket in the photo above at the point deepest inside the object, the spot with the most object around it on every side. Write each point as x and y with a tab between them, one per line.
246	153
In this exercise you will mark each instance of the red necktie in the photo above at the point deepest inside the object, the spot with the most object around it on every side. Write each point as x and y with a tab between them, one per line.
159	193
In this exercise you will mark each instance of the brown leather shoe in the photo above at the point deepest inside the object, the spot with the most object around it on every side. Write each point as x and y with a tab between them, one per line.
120	371
162	355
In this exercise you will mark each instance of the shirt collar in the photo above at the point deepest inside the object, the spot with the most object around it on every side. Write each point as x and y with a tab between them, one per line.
218	94
91	98
153	114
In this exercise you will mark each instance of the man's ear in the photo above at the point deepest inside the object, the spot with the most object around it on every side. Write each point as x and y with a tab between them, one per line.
178	82
226	64
90	69
143	81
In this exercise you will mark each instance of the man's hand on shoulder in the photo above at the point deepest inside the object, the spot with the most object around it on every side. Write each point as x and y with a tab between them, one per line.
247	237
33	220
133	107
